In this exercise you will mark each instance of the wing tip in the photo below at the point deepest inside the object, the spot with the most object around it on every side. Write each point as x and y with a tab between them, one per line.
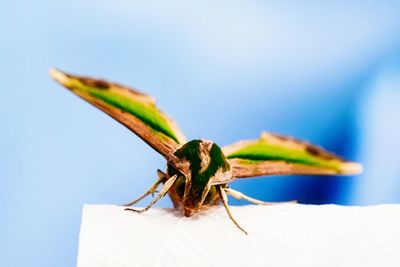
58	76
351	168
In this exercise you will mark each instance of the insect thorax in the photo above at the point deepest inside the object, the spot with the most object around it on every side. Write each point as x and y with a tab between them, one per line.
206	161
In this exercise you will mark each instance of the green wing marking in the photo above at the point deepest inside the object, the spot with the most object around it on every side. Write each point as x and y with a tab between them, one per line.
274	154
135	110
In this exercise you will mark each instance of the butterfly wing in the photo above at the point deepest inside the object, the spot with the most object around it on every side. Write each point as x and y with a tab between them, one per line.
274	154
133	109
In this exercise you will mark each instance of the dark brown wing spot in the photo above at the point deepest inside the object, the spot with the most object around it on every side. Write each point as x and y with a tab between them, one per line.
318	152
282	137
289	138
313	150
98	84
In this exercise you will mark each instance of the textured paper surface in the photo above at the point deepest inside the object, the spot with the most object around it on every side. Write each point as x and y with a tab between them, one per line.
279	235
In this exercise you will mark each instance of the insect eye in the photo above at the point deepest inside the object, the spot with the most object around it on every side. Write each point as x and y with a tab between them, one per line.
210	196
180	186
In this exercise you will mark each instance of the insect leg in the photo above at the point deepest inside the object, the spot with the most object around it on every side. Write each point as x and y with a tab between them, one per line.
164	190
153	188
224	199
173	198
161	174
238	195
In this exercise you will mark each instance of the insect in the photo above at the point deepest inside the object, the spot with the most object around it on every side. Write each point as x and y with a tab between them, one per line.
199	171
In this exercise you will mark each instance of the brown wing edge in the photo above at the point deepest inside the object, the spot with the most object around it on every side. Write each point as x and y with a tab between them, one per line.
242	168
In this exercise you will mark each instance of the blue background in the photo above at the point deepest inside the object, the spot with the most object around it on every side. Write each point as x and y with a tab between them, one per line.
225	70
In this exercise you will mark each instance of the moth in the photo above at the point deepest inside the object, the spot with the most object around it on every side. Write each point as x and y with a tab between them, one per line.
199	171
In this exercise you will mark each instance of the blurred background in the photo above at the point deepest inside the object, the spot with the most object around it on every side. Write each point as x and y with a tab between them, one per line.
225	70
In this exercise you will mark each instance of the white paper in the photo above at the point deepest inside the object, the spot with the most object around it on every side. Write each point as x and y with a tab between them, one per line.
279	235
